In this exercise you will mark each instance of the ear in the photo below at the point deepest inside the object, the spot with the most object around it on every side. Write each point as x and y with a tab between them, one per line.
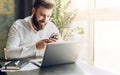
33	10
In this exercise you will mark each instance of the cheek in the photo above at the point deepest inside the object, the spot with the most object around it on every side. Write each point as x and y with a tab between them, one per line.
39	18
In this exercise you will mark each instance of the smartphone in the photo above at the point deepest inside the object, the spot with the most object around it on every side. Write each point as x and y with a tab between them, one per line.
54	35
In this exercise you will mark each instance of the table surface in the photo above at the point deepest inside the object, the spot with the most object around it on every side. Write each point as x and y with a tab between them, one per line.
77	68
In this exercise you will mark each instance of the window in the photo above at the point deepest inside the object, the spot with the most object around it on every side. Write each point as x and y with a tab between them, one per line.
105	21
107	3
106	45
81	21
102	19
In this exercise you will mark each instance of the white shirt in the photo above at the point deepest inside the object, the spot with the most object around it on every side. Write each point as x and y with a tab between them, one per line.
22	38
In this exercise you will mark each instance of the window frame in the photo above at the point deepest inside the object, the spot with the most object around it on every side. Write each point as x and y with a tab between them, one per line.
94	13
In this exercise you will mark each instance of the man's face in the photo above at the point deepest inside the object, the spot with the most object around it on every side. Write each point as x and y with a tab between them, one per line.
40	17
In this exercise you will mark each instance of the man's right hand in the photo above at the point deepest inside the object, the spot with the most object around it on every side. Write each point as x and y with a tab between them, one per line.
43	43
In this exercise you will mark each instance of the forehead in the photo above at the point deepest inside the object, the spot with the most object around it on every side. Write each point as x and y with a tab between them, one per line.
44	10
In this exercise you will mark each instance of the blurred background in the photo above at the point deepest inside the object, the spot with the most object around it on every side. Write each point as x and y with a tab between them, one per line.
95	23
10	10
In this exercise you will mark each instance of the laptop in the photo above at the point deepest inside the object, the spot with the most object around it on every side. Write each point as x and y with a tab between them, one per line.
59	53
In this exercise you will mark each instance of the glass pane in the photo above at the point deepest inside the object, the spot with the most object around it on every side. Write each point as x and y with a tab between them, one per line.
6	19
80	4
82	37
107	45
107	3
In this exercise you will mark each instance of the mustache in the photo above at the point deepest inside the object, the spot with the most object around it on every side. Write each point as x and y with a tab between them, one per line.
41	21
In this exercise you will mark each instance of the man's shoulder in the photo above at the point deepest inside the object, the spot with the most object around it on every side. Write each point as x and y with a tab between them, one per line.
25	20
51	27
51	23
21	22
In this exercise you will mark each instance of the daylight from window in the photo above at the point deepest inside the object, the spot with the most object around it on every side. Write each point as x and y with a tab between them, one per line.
107	3
107	47
80	4
106	27
106	37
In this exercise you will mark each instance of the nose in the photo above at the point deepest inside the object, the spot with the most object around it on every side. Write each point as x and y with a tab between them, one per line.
45	19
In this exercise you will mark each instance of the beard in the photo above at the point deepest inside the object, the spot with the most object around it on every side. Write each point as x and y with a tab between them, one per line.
38	24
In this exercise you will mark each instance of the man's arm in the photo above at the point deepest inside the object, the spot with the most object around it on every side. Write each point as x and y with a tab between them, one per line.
14	50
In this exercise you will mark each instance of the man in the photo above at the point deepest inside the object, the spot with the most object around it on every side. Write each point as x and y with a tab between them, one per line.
29	36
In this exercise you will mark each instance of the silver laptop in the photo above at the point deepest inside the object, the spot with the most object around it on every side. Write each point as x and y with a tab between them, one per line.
59	53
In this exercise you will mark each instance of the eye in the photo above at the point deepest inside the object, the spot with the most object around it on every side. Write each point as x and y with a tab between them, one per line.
48	16
42	15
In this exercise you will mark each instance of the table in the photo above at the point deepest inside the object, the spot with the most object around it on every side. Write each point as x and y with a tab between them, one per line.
77	68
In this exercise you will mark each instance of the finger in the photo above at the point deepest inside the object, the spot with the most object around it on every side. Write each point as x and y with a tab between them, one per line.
53	39
56	38
46	40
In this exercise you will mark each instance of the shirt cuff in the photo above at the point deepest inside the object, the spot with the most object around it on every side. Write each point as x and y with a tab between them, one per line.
31	46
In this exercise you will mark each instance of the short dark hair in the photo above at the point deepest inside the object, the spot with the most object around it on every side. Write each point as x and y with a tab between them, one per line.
49	4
